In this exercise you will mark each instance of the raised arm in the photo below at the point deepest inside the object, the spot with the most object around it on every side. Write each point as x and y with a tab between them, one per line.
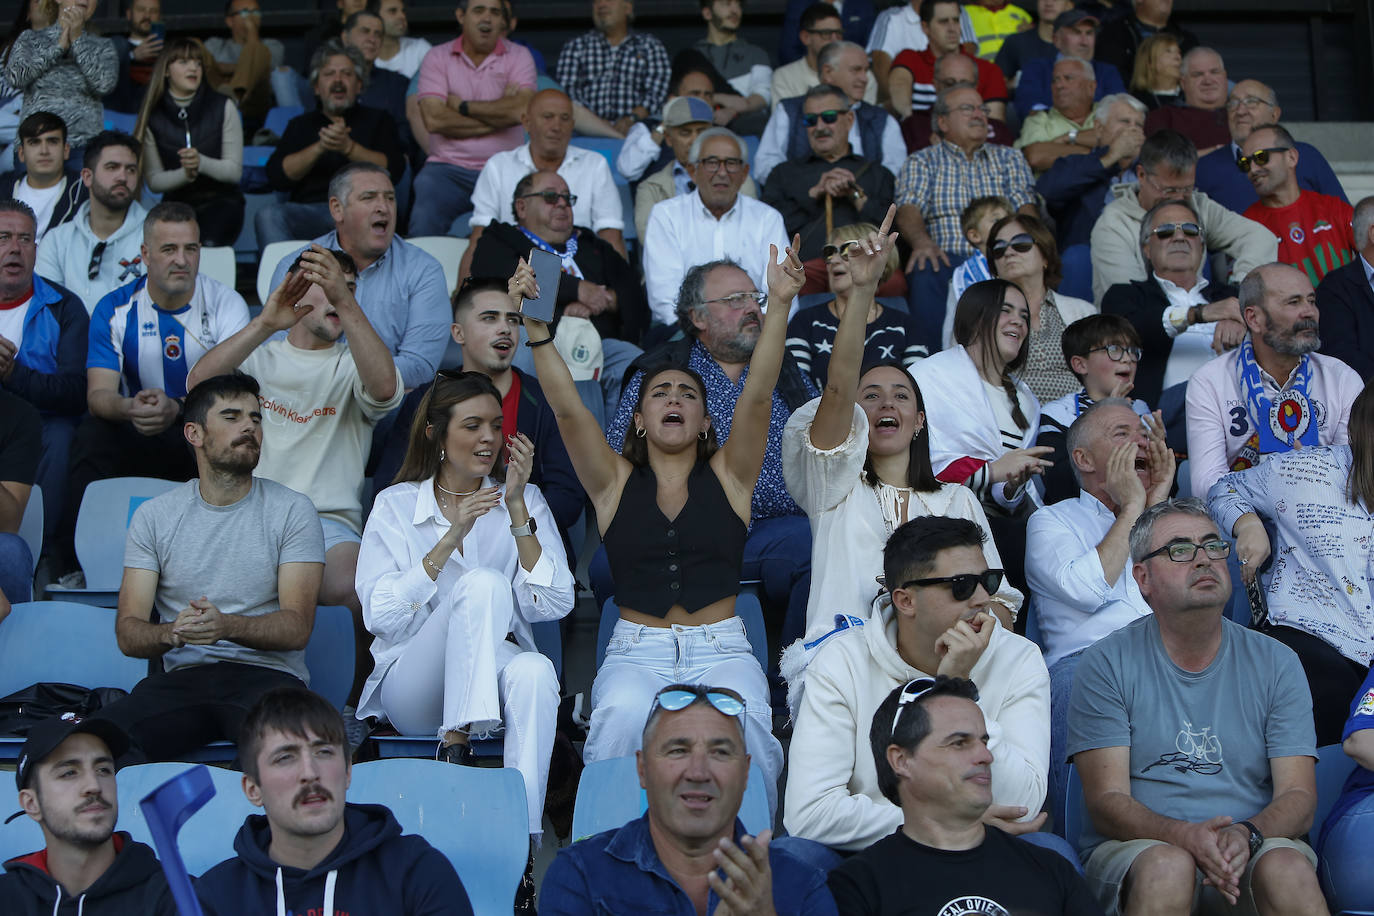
376	368
280	313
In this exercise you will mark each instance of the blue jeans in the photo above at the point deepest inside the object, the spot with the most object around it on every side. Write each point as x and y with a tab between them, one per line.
1344	870
1061	689
443	192
285	222
926	293
16	569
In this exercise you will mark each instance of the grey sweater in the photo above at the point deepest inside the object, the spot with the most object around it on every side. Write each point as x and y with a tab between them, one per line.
68	83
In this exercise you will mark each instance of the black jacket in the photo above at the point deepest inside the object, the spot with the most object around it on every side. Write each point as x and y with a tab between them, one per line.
371	127
1346	304
133	886
74	194
553	471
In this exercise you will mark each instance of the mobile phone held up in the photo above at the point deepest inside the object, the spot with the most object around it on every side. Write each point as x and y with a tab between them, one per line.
548	270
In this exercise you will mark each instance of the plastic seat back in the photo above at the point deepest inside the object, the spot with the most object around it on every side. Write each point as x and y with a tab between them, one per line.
329	654
217	263
206	837
273	255
88	656
106	510
166	808
279	116
31	525
447	250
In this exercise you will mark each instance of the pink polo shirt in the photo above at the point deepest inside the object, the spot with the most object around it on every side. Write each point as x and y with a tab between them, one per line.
447	70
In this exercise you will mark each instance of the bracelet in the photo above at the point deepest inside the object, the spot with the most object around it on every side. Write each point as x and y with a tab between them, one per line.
538	343
430	564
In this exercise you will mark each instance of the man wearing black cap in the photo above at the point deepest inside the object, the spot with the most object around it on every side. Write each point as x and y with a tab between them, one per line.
1074	35
66	780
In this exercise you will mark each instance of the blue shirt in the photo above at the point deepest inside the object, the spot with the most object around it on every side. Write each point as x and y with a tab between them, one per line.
619	872
1033	90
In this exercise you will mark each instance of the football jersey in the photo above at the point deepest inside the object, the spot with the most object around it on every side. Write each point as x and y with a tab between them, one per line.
1314	232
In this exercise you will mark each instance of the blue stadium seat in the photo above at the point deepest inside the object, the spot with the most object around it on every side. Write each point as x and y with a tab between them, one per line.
608	147
120	121
1333	768
475	816
746	607
329	654
165	809
31	525
1074	818
278	117
207	837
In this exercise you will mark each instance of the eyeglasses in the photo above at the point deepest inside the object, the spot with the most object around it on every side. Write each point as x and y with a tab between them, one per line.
913	691
963	585
677	697
715	164
1259	157
245	14
552	197
829	116
1185	551
97	255
968	109
1165	231
845	250
741	300
827	34
1116	352
1175	192
1250	102
1021	242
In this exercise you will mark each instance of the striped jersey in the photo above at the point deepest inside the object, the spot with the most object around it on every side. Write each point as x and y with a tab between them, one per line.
1314	232
155	349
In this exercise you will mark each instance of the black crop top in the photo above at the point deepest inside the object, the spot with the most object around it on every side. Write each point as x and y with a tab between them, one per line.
692	560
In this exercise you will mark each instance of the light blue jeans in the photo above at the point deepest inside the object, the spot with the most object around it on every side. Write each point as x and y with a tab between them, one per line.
1345	874
642	660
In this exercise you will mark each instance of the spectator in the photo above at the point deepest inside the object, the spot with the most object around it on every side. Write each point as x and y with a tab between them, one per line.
643	149
830	185
714	222
615	74
993	22
1273	393
1182	320
1078	563
66	781
1102	351
951	70
548	121
245	62
668	858
899	28
1250	104
1020	48
743	64
1313	229
65	70
99	249
136	381
1166	171
1317	586
1075	35
910	82
1155	703
137	54
316	144
1202	116
1078	185
383	89
295	756
20	453
934	187
932	752
1346	834
975	222
1346	300
820	24
473	91
35	16
857	22
874	132
1157	74
52	194
400	53
1122	36
933	619
228	630
1049	134
193	141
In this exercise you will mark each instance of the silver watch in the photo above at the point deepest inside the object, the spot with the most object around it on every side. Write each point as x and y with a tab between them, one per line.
1073	137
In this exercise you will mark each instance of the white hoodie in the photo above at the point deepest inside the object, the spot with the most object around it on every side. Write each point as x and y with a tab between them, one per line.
64	255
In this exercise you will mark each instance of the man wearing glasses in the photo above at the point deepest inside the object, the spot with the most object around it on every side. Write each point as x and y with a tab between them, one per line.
931	747
689	850
1193	738
820	25
932	620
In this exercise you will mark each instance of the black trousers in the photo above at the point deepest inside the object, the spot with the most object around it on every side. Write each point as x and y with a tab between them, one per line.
1333	679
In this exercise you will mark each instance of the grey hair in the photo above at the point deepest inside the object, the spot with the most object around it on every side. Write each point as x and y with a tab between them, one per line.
826	91
341	185
14	205
1200	49
1273	96
1144	529
1145	224
1364	219
691	295
941	106
336	48
1084	65
694	156
830	52
1103	107
1253	291
1079	430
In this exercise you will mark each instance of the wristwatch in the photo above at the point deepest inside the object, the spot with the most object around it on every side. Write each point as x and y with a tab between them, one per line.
1256	838
1073	137
525	530
463	108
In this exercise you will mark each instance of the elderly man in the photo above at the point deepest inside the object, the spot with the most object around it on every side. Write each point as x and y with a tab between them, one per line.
1120	37
931	746
1345	299
1193	738
1075	35
1202	116
472	92
1168	164
951	70
1313	229
830	186
689	849
1067	128
743	65
715	222
548	121
1078	183
873	135
821	24
1274	393
400	52
1250	104
910	82
614	73
318	143
934	187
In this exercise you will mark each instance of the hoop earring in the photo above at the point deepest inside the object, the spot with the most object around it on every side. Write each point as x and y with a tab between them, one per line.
640	432
442	454
702	435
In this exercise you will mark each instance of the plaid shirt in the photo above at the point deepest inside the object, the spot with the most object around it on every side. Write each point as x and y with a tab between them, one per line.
940	181
612	81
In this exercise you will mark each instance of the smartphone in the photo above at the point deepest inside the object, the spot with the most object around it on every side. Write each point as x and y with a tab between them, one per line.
160	31
548	270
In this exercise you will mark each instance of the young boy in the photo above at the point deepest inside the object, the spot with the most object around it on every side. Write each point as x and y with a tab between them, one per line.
976	222
1102	352
46	187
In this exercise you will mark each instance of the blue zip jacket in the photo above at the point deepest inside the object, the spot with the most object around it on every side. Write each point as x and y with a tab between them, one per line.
50	368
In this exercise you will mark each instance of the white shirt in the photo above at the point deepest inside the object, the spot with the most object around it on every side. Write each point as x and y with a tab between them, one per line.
398	595
12	322
772	149
682	233
1074	602
586	172
1192	343
897	29
41	201
796	78
408	57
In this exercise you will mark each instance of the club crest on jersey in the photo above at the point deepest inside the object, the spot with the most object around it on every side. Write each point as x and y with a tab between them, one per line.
172	347
1296	234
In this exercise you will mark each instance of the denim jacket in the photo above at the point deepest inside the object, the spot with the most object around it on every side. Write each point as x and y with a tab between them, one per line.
619	873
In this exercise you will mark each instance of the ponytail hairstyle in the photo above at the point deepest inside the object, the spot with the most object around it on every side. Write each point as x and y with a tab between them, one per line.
1361	484
430	426
920	474
975	326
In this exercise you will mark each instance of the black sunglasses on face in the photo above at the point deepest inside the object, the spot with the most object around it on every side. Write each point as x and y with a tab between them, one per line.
1259	157
1167	230
1021	242
830	116
963	585
553	197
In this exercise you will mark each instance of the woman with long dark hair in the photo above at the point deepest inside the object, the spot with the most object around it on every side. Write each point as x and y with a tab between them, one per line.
193	141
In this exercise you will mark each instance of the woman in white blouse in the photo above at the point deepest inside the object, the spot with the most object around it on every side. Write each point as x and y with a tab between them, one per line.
452	562
857	459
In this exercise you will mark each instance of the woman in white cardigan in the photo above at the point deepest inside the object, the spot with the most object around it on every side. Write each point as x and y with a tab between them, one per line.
857	460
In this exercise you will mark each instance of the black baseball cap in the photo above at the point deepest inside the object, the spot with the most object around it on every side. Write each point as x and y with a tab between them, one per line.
45	737
1070	18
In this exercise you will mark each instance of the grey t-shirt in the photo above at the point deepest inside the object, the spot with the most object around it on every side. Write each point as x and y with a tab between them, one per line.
1201	741
229	554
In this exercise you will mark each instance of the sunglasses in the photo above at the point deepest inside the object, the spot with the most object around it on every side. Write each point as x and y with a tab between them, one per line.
676	697
1116	352
913	691
844	250
1168	230
97	255
553	197
830	117
963	585
1021	242
1259	157
1185	551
